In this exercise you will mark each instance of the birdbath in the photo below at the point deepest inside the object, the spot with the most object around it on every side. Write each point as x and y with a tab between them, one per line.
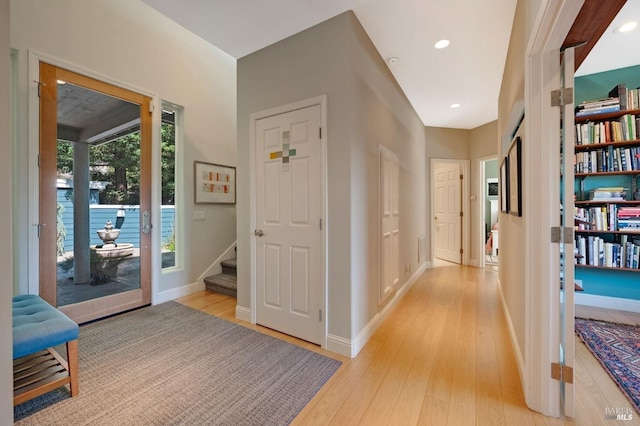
108	235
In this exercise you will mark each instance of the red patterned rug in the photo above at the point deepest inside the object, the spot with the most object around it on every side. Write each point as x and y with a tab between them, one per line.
617	347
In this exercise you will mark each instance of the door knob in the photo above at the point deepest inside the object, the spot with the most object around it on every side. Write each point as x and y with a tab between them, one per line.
258	233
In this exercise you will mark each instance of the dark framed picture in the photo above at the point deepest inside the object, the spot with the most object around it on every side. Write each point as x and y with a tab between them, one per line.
214	183
515	177
504	185
492	187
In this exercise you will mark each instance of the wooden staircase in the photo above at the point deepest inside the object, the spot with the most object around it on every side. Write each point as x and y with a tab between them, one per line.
225	282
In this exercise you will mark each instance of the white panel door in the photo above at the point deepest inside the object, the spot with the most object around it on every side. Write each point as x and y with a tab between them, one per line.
390	215
289	276
447	208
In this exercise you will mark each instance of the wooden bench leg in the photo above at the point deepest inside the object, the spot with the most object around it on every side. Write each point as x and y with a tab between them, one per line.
72	359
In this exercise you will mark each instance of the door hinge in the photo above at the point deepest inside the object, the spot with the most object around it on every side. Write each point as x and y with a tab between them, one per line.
461	251
321	224
461	177
562	97
38	160
320	315
320	132
39	86
560	235
152	107
461	214
561	372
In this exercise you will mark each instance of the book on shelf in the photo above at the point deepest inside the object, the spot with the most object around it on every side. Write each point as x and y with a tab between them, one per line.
621	129
595	251
620	92
608	194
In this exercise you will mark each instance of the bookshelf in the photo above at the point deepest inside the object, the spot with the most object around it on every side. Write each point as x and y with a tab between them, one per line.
607	200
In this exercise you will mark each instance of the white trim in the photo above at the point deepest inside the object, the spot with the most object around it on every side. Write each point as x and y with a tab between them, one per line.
541	292
465	189
174	293
339	345
365	334
243	313
512	334
253	118
482	201
608	302
216	267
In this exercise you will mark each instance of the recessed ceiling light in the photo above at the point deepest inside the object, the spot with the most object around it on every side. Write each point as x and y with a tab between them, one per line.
625	28
393	60
441	44
455	105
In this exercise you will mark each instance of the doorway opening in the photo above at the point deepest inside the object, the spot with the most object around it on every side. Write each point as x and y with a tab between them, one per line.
489	209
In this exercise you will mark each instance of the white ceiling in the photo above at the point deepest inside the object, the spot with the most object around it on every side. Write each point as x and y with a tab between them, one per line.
468	72
615	50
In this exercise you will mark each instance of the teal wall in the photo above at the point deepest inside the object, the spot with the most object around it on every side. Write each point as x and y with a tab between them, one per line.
596	86
606	282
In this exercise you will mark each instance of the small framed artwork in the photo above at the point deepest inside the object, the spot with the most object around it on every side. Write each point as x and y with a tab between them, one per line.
492	187
214	183
515	177
504	185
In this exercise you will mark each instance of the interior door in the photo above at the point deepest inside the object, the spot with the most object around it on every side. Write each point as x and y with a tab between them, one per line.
566	307
390	223
289	258
447	208
95	203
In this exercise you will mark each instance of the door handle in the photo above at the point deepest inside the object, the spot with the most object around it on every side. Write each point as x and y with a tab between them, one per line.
258	233
146	222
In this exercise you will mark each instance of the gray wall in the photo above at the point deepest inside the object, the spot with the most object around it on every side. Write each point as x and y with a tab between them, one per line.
366	108
6	284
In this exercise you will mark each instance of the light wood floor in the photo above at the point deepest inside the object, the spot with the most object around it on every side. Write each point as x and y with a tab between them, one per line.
442	357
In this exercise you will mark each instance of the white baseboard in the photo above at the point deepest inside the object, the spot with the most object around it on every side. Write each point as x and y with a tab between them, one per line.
339	345
243	313
629	305
363	337
512	336
174	293
428	265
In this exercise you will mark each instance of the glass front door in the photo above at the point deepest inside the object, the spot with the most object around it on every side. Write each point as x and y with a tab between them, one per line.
95	152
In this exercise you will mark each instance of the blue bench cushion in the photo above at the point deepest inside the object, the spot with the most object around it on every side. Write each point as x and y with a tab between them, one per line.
37	326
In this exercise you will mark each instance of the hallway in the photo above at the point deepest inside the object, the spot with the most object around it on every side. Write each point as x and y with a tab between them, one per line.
441	357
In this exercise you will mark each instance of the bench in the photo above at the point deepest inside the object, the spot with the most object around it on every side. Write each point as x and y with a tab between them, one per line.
37	367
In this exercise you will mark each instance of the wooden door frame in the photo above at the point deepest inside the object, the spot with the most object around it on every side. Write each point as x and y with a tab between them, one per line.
254	117
147	102
464	204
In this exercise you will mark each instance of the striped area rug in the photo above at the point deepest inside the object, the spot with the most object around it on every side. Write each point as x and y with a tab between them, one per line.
617	347
173	365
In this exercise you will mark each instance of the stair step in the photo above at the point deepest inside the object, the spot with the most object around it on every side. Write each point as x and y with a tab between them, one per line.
229	266
222	283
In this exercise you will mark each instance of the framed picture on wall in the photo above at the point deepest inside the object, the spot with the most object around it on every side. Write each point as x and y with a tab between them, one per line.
515	177
504	185
492	187
214	183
